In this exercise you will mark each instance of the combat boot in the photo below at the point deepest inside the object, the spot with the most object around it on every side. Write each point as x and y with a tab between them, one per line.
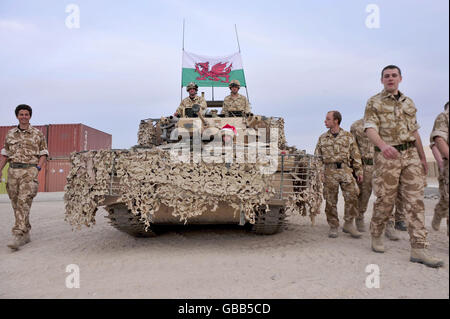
333	233
419	255
377	244
349	228
400	225
390	232
436	222
15	243
360	224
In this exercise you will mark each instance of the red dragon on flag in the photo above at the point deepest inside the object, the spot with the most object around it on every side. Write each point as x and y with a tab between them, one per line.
218	70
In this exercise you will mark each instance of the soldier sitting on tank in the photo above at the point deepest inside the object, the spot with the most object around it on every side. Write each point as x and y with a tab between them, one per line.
235	102
190	101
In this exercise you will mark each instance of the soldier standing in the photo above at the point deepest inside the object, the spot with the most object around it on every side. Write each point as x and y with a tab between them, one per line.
439	141
26	151
235	101
192	99
338	151
399	164
365	188
366	148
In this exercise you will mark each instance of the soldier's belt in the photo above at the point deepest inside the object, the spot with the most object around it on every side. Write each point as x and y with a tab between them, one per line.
401	147
21	165
334	165
367	161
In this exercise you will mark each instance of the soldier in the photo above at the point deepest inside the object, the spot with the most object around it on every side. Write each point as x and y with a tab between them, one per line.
439	140
235	101
339	153
399	164
192	99
365	188
26	151
367	151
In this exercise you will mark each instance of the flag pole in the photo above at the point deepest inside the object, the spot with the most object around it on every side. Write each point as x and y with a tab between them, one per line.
239	47
237	38
181	89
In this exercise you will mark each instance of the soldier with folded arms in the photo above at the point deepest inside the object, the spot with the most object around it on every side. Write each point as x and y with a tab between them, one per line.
399	164
26	151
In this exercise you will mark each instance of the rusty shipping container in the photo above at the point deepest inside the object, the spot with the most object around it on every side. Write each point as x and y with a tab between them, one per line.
64	139
42	178
56	175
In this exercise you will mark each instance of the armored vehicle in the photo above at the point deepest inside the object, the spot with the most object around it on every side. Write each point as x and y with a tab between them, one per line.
198	169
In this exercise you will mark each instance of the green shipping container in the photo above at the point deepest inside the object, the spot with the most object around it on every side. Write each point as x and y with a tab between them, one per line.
4	179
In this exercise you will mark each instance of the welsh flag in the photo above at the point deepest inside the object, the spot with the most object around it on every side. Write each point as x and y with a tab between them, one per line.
212	71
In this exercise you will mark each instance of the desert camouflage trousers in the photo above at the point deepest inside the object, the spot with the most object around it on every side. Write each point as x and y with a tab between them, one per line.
399	213
22	187
365	190
441	208
406	176
334	178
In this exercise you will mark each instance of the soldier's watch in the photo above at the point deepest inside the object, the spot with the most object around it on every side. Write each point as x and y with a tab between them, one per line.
38	167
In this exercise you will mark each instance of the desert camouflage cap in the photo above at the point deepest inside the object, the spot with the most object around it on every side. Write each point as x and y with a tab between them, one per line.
191	85
234	83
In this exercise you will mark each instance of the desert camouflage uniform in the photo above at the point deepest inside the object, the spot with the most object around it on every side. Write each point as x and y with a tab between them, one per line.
398	213
23	146
239	103
395	121
188	103
440	128
339	149
367	151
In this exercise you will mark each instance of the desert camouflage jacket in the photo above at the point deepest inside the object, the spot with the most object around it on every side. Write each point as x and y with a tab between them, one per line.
341	148
394	120
240	103
366	148
188	102
24	146
440	127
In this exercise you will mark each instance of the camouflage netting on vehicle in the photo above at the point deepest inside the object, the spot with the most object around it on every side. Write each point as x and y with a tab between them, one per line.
307	197
147	178
279	124
148	134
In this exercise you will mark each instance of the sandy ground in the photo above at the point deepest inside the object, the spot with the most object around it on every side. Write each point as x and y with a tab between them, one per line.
211	262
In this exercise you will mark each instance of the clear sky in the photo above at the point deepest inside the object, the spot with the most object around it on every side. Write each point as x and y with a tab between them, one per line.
301	59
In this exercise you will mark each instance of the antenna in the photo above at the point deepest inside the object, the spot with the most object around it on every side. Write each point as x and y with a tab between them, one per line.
239	47
237	38
182	54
